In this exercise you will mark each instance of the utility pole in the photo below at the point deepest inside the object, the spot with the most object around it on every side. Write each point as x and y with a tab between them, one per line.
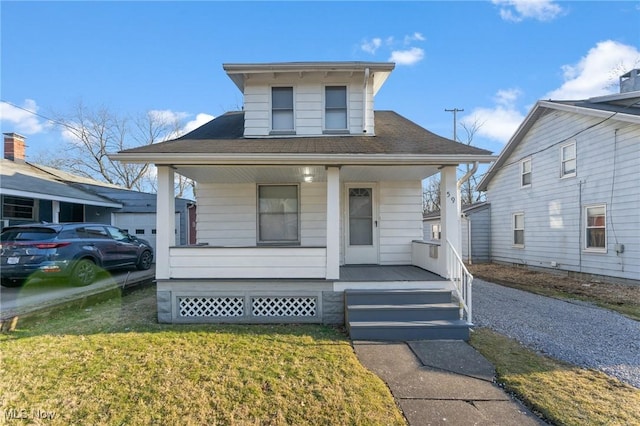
455	112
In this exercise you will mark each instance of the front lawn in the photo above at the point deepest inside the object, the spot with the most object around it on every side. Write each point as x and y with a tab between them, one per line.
113	364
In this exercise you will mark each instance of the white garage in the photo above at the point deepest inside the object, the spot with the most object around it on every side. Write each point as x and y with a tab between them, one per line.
143	225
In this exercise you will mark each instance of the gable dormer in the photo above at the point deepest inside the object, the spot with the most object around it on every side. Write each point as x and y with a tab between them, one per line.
309	98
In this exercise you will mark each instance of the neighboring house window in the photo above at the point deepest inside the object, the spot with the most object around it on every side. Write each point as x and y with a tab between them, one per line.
278	214
435	232
596	232
518	229
568	160
525	173
18	208
335	108
282	109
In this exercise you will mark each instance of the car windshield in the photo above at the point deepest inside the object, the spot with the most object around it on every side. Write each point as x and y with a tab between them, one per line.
28	234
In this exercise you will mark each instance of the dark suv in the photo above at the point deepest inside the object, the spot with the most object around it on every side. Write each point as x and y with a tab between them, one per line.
75	251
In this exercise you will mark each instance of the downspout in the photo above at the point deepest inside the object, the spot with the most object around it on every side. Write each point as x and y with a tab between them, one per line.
364	100
467	175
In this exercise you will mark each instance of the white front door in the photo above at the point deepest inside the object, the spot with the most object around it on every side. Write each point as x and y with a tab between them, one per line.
361	224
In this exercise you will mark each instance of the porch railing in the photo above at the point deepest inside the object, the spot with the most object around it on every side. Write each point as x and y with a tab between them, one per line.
462	281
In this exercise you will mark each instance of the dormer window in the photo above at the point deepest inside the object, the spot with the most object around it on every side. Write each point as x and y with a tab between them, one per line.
282	110
335	108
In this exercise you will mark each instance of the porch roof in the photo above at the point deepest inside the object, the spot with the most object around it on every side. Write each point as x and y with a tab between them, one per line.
221	141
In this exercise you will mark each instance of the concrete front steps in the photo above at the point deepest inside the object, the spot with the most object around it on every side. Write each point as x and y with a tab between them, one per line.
399	315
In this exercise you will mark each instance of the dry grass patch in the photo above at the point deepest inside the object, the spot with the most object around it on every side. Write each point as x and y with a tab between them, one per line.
624	299
113	364
560	392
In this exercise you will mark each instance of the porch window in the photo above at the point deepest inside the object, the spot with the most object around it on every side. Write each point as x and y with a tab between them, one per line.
518	229
335	104
282	109
596	229
525	173
568	160
278	208
18	208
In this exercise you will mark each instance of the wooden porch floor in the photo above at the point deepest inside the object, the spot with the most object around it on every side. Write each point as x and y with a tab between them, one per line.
355	273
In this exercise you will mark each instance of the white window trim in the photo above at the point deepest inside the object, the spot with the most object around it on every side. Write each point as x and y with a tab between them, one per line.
277	243
514	229
521	173
562	161
273	131
346	130
584	229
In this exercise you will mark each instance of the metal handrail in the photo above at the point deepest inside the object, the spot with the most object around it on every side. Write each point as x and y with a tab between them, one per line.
462	280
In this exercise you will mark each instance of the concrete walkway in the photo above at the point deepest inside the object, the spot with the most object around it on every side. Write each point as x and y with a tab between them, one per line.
442	382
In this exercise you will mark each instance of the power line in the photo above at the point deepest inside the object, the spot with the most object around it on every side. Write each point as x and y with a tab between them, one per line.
54	121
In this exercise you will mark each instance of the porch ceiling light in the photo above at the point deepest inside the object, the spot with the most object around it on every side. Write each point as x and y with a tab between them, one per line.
308	178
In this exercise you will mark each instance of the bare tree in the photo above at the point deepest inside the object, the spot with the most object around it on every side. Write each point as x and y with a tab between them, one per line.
468	191
93	133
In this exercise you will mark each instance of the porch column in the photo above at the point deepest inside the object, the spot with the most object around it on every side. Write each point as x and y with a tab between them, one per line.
449	215
333	223
165	221
55	211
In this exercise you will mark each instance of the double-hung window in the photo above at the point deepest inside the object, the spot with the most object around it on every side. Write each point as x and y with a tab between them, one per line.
335	108
278	219
518	229
282	109
596	229
525	173
18	208
568	160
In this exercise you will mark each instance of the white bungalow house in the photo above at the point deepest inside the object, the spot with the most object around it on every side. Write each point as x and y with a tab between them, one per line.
565	191
308	195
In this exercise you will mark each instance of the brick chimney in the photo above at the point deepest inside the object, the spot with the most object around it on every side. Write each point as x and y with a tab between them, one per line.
14	147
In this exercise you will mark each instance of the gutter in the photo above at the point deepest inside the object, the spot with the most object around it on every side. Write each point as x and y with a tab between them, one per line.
279	159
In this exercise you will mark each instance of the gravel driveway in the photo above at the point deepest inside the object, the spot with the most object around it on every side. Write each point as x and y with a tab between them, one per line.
572	331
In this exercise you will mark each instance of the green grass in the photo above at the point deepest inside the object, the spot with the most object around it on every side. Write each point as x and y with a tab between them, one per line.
114	364
560	392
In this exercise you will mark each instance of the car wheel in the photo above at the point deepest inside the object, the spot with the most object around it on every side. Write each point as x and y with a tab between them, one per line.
84	273
144	262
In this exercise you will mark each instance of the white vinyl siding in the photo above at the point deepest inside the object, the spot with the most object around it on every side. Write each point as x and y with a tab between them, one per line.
568	160
309	104
400	220
608	162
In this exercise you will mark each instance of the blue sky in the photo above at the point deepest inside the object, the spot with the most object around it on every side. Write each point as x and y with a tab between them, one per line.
493	59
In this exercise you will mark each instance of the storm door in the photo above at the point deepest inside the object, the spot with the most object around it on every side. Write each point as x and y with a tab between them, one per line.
361	236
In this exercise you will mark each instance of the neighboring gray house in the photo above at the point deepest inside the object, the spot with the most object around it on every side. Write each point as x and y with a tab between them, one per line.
35	193
476	231
565	191
308	198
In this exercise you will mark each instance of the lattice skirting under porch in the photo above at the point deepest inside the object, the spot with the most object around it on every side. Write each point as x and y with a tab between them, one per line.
263	306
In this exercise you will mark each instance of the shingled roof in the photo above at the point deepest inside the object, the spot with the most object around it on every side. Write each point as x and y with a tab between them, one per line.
394	135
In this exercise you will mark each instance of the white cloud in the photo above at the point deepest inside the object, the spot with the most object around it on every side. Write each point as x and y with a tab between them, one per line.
519	10
413	37
499	122
407	57
22	119
596	73
372	45
200	119
167	116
